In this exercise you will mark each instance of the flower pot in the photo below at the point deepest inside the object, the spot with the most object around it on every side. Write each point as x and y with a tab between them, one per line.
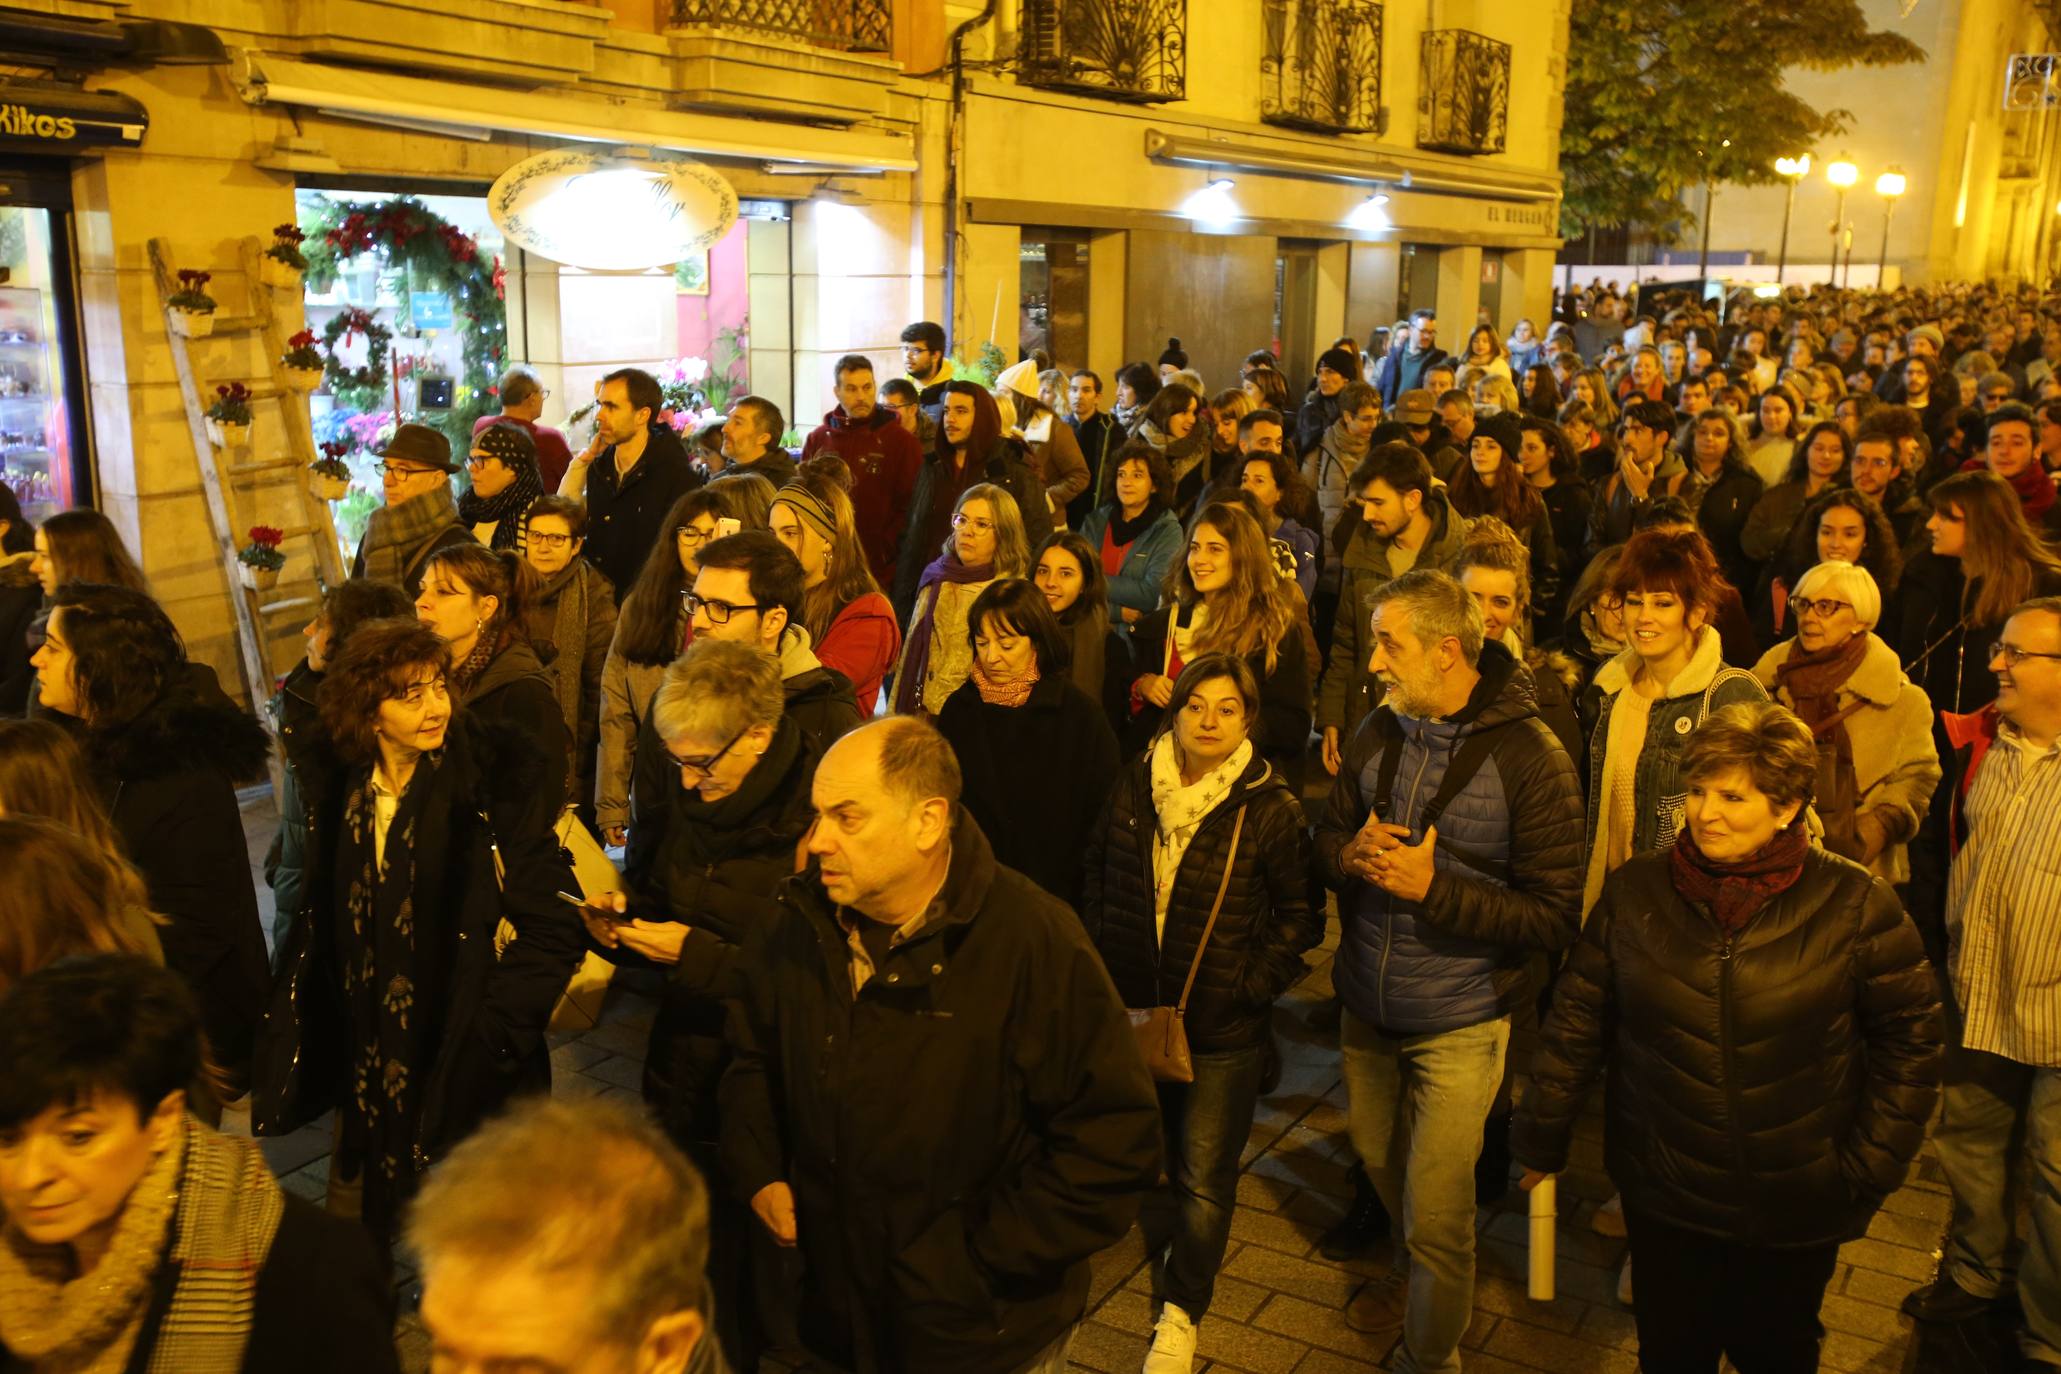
227	433
329	488
258	579
273	272
303	379
194	324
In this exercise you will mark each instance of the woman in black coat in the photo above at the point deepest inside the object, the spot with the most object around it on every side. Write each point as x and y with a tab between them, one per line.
1770	1032
1202	848
167	751
1036	754
479	602
427	829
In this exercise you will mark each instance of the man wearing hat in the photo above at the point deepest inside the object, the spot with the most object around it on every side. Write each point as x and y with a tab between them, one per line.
1414	358
505	484
1337	368
1055	451
419	516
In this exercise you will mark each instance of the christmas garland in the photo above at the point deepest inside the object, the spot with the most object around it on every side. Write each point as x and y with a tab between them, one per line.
372	376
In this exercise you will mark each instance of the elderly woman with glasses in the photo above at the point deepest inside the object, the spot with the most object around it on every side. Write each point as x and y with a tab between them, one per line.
1877	766
699	878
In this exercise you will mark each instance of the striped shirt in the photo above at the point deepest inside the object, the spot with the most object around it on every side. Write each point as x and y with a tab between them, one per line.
2004	904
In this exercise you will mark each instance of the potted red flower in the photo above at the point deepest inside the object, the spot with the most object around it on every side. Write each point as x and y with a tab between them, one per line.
302	361
259	561
193	309
283	263
329	477
229	417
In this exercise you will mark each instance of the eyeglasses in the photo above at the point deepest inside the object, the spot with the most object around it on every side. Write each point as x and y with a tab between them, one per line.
478	460
2013	655
702	767
1997	396
403	469
974	522
719	612
689	534
551	541
1824	606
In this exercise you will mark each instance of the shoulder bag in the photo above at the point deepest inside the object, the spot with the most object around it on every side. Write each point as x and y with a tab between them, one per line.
1162	1032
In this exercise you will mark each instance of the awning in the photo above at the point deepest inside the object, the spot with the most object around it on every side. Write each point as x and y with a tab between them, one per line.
43	117
265	79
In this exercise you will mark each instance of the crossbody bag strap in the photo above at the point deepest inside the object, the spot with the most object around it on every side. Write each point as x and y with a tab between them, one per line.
1237	829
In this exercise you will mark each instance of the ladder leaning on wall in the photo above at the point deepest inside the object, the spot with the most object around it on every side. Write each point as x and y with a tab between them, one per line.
233	480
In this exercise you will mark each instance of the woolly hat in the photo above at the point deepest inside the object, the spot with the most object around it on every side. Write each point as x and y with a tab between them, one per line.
510	443
1502	427
1021	378
1928	331
1342	362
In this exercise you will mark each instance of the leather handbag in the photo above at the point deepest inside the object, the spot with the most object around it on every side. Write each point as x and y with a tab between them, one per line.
1162	1032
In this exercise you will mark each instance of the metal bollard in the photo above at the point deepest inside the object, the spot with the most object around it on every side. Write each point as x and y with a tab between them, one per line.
1542	1240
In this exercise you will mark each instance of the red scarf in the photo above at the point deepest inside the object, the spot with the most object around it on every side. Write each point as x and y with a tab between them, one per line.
1012	692
1734	892
2034	486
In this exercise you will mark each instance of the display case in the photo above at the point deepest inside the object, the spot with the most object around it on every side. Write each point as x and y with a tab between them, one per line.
36	447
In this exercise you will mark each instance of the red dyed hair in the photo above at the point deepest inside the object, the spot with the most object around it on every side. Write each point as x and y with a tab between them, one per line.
1678	561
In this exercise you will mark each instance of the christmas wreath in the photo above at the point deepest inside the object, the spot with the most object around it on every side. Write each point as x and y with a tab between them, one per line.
372	376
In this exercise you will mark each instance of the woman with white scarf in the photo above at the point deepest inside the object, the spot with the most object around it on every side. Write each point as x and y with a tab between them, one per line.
1198	894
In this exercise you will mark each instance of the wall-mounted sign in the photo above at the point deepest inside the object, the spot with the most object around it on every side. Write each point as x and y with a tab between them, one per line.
612	209
430	309
42	117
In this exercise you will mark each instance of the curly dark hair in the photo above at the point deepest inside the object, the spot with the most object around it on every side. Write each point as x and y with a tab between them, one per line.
126	653
376	666
1156	465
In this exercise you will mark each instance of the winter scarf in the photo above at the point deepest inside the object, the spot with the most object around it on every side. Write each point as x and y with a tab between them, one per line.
395	535
505	511
916	649
1010	692
1343	447
1181	807
467	670
1181	454
569	634
1734	892
1812	681
208	1205
2034	486
1123	533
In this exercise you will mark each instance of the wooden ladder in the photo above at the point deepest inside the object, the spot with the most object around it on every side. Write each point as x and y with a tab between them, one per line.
232	479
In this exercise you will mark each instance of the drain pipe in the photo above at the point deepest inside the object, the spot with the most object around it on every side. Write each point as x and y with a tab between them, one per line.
955	139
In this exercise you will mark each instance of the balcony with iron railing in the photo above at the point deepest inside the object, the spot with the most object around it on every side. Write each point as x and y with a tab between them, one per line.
842	25
1320	64
1131	50
1463	96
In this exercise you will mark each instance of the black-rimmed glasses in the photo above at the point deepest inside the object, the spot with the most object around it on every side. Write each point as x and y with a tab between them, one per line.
719	612
702	767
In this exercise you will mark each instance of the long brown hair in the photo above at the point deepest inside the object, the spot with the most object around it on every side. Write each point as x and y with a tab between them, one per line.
848	577
86	548
43	773
501	574
1512	500
65	896
1999	548
647	631
1250	614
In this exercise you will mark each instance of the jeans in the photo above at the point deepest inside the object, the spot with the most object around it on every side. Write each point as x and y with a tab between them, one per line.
1996	1111
1207	1124
1414	1108
1700	1298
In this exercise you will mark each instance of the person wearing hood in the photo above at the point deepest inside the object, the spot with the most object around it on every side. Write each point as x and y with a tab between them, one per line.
884	457
1036	753
571	625
1198	897
298	723
479	603
850	624
21	600
1055	449
1453	838
505	484
1405	522
1340	448
630	476
166	751
973	448
419	518
1137	536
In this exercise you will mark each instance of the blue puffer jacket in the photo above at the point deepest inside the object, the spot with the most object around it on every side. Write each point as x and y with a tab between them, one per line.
1507	866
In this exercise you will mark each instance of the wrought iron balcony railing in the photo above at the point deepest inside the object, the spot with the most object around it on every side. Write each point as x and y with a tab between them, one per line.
847	25
1463	101
1118	49
1320	65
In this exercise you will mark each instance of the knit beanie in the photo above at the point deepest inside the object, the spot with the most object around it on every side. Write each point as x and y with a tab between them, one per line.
1504	429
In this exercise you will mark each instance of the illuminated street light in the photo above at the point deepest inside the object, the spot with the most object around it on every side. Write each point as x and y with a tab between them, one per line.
1842	174
1889	186
1792	170
1212	205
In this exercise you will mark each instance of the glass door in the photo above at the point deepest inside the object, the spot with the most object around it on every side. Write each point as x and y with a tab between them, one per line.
41	458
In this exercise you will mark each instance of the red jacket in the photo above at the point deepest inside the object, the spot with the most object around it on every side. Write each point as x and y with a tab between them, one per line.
884	459
862	643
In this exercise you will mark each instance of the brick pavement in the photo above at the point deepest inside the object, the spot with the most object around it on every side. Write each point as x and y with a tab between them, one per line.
1280	1305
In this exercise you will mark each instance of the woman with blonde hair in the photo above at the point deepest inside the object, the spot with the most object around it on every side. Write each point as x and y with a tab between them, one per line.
986	542
1225	596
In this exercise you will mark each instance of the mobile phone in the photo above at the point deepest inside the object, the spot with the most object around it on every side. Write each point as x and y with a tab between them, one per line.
726	526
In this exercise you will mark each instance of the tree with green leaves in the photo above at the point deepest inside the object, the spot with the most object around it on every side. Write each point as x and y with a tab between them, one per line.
1667	94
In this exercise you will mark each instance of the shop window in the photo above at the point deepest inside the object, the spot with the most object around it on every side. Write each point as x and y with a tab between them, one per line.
41	459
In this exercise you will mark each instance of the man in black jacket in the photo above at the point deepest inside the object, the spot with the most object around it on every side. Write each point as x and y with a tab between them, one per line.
633	481
935	1093
1453	838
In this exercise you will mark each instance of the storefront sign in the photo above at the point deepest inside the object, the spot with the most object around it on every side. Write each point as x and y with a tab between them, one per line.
612	209
36	118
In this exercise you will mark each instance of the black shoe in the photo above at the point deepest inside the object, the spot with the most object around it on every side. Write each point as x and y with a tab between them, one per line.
1946	1302
1270	1066
1363	1227
1492	1169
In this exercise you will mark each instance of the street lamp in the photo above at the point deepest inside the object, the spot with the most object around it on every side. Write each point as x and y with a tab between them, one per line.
1842	174
1792	170
1889	186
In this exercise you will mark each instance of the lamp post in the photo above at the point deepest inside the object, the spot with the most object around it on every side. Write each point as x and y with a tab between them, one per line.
1889	186
1792	170
1842	174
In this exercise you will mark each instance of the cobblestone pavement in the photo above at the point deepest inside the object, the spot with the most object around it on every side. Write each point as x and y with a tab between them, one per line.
1279	1305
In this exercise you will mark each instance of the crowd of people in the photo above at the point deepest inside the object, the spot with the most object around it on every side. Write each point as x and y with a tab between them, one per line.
1664	698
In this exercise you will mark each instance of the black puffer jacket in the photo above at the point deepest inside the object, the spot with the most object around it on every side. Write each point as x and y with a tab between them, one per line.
1255	952
516	689
1769	1088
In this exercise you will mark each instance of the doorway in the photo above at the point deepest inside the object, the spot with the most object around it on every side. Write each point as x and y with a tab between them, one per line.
1295	310
1053	289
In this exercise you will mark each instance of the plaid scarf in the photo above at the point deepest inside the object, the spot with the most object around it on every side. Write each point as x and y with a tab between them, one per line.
394	534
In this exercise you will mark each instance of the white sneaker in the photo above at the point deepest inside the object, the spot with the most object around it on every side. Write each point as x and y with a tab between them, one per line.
1173	1343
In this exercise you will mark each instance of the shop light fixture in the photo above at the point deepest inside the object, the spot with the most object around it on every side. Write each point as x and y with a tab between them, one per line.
1213	205
1371	214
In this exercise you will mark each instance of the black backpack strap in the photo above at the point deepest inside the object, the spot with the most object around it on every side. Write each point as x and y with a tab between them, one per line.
1391	736
1472	753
